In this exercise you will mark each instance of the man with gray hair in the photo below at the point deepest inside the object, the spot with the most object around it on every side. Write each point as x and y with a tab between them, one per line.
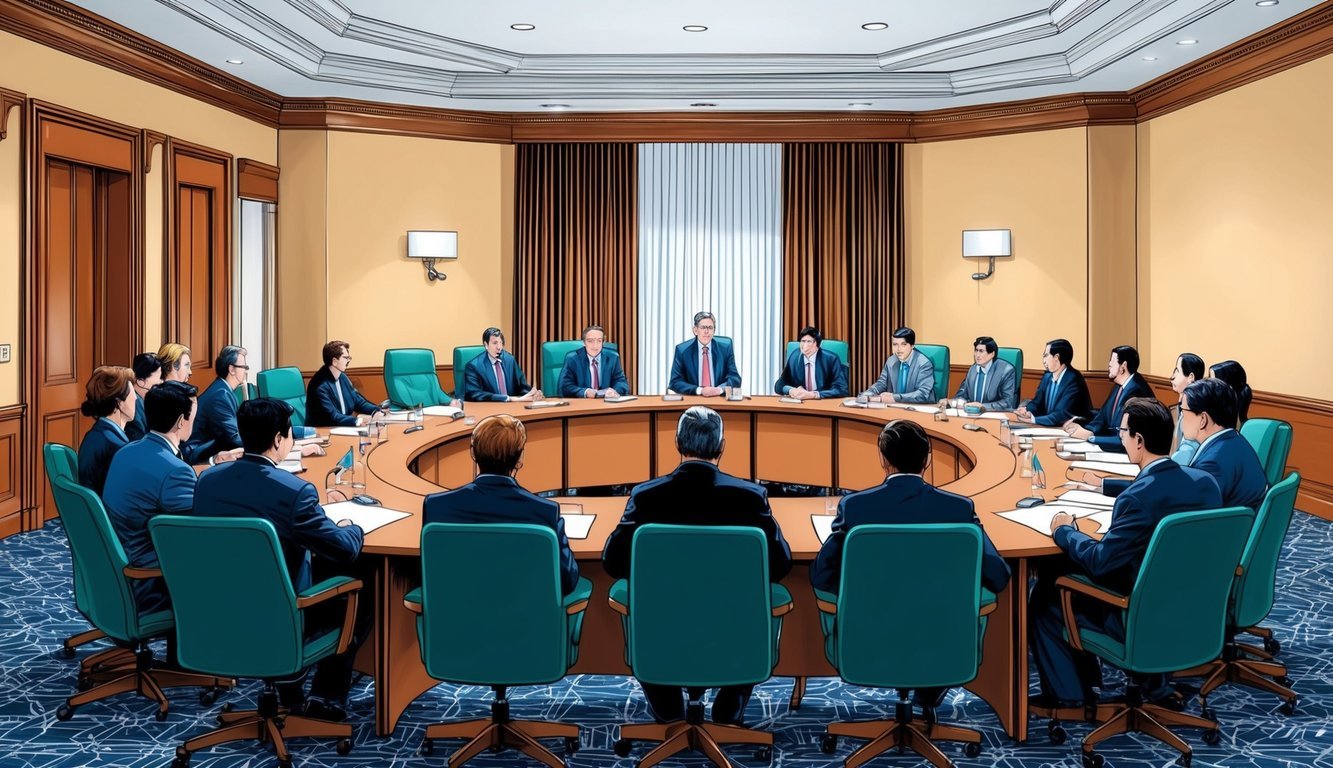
704	365
216	435
697	493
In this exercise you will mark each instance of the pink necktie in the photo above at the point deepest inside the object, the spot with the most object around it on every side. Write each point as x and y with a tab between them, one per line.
500	379
595	385
706	378
809	376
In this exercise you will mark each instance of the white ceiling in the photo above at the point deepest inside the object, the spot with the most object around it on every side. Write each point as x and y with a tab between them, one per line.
755	55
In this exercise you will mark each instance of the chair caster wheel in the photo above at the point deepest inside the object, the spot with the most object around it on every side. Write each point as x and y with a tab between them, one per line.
84	683
1285	681
427	748
160	715
1288	707
1093	760
1212	737
495	749
208	696
571	745
65	652
622	747
228	707
344	746
1208	713
1186	759
972	750
764	754
181	762
65	712
1270	644
828	743
286	763
1056	733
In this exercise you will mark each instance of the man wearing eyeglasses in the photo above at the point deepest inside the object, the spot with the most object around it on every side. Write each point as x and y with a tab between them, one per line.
215	437
703	365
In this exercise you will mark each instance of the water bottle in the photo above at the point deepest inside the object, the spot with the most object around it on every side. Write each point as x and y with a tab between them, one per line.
1006	437
1025	463
419	415
363	438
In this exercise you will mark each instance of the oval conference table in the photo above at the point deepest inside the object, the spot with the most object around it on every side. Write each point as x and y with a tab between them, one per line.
592	443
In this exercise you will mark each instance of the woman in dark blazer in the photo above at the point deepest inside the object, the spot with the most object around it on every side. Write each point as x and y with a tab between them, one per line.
110	400
147	374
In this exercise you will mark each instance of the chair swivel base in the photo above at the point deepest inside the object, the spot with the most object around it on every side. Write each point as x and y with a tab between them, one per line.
694	734
1136	716
1095	713
143	678
1233	667
499	733
902	732
267	724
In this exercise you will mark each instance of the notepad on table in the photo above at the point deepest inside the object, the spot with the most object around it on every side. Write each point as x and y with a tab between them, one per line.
1082	446
545	404
347	431
916	408
292	465
394	417
1087	498
368	517
823	526
794	400
621	398
443	410
1124	470
1042	433
577	524
997	415
852	402
1038	518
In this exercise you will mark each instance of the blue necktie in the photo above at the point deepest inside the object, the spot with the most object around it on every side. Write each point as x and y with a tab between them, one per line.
902	377
980	394
1050	397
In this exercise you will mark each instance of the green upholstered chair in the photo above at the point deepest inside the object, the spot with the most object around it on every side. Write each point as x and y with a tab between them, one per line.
106	599
463	356
836	346
939	357
699	628
1252	599
237	615
248	393
285	384
1174	620
926	632
1014	357
410	379
553	361
490	612
1272	441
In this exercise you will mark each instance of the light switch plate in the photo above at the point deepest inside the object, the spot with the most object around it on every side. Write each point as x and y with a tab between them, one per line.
4	353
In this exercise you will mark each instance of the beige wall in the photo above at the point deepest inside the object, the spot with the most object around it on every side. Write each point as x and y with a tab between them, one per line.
1235	196
11	249
1034	184
302	274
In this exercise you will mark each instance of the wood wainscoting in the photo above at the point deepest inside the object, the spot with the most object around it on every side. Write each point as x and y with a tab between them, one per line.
11	470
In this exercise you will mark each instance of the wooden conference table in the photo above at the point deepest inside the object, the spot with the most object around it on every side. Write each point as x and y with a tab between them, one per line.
594	443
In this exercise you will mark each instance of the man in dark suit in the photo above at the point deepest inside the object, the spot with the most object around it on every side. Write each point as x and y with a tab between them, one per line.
904	497
703	365
148	478
1162	488
1062	393
697	493
991	384
254	486
593	371
330	398
494	496
1123	369
812	372
215	435
494	375
147	374
907	377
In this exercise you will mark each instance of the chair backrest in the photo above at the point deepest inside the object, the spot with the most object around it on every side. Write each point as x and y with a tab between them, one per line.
902	621
1252	595
287	385
553	362
835	346
102	591
939	357
60	461
463	356
492	609
249	392
410	379
699	606
236	613
1272	441
1014	357
1178	608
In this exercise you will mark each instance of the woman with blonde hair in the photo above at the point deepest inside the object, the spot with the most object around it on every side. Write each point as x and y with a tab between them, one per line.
110	399
175	359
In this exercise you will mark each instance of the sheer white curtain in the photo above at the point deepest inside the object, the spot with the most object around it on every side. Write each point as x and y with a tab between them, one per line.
710	238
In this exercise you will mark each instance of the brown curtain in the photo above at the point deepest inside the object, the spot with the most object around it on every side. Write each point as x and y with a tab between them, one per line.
843	254
576	248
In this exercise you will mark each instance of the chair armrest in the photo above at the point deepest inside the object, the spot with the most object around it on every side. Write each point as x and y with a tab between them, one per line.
577	601
618	597
780	599
412	601
142	573
329	589
826	602
1068	585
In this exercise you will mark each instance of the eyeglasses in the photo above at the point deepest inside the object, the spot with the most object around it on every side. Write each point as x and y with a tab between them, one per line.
242	367
707	327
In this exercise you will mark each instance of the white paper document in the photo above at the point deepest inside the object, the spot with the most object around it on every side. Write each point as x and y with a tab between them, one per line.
1081	447
397	417
347	431
1087	499
794	400
368	517
917	408
577	525
1038	518
1124	470
546	404
1107	457
1042	432
621	398
823	526
852	403
997	415
292	465
443	410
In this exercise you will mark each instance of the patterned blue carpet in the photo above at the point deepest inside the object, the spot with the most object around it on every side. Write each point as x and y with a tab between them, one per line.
36	613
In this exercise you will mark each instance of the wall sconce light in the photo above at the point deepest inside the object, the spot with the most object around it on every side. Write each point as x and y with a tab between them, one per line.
429	246
986	244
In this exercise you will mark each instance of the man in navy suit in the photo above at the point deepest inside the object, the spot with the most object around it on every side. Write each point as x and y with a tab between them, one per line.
494	375
1062	393
812	372
703	365
494	496
907	377
330	398
904	497
1162	488
147	374
254	486
593	371
1123	369
215	435
991	384
697	493
1208	414
148	478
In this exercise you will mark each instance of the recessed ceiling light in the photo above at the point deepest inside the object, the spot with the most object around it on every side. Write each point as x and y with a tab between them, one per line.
555	106
874	26
237	62
1266	3
695	28
1150	58
523	27
859	104
1187	41
703	104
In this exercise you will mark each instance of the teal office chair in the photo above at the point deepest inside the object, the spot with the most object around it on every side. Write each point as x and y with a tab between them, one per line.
237	615
107	602
1014	357
410	379
939	357
463	356
1251	600
285	384
1271	439
699	628
924	632
553	361
836	346
489	612
1174	620
248	393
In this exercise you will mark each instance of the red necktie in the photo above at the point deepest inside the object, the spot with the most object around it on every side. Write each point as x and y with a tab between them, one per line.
1116	405
595	385
706	378
500	379
809	376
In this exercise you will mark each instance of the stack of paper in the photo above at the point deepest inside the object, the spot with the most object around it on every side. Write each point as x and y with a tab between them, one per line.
577	525
347	431
916	408
1112	468
1081	447
292	465
621	398
1087	499
368	517
823	526
997	415
1039	518
443	410
1039	432
851	402
393	417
